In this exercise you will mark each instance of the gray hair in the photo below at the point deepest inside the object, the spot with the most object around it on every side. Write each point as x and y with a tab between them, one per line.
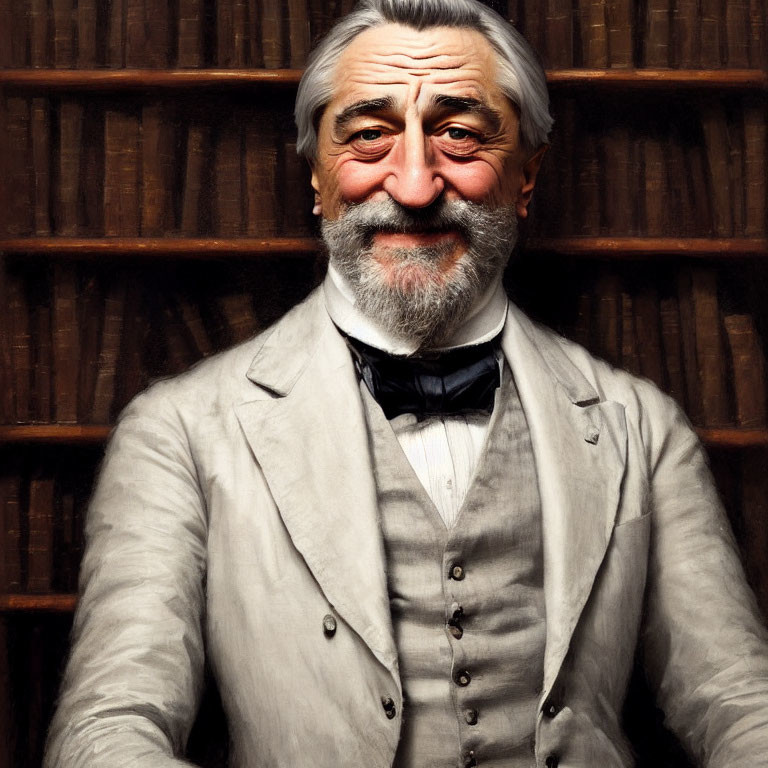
521	77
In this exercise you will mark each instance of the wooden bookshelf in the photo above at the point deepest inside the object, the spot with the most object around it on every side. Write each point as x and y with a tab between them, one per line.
206	79
49	603
635	248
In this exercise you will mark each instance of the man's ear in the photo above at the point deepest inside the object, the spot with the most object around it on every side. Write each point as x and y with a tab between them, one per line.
318	208
530	172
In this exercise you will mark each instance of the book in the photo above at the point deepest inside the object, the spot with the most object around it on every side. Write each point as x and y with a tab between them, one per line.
582	329
122	171
69	156
157	41
65	574
38	24
711	25
190	34
66	342
558	34
178	350
755	164
710	353
7	34
648	334
42	352
227	196
298	33
737	33
117	33
18	162
698	189
135	48
656	40
10	515
157	162
63	33
262	204
111	336
630	360
7	374
693	393
716	142
296	193
91	213
588	174
40	541
671	343
273	43
41	164
193	320
758	49
593	33
609	318
654	188
225	33
240	37
619	179
196	178
21	346
748	366
685	38
619	19
133	369
239	315
90	315
88	26
736	174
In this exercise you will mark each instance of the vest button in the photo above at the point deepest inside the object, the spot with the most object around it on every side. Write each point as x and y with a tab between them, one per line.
457	573
455	629
552	761
463	678
469	760
471	716
550	709
389	706
329	625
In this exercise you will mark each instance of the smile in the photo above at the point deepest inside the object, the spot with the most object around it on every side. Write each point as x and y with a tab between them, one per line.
414	239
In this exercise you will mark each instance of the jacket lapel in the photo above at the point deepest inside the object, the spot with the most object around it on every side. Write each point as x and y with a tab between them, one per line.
306	427
579	444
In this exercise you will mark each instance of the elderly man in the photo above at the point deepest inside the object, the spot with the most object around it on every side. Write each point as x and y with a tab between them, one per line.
406	526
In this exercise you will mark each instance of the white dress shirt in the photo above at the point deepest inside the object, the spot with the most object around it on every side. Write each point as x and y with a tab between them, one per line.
443	450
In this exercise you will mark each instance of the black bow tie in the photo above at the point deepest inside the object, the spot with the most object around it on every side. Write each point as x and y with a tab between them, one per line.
456	381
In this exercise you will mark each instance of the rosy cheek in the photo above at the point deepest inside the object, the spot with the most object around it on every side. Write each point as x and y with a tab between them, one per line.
357	180
474	180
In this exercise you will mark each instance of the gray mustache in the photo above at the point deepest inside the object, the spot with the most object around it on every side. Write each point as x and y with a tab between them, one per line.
386	216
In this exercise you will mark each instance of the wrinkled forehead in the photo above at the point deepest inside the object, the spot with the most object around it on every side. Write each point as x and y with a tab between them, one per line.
411	66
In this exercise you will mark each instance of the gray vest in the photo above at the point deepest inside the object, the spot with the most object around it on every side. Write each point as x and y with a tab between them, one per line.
467	603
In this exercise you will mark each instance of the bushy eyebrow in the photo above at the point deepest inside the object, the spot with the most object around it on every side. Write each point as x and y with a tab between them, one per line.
364	107
473	106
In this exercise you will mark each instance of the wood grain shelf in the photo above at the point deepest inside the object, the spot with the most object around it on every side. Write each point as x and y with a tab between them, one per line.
97	434
191	248
647	248
202	248
207	79
50	603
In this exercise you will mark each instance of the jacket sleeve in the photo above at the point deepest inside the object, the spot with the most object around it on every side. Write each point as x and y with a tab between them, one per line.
133	681
706	648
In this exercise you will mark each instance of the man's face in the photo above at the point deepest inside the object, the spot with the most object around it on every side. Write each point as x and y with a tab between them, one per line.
417	145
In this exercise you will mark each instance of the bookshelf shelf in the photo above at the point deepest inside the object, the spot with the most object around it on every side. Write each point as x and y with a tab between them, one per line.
96	434
205	79
50	603
151	247
239	247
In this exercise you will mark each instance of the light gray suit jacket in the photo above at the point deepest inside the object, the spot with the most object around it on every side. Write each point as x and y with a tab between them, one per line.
236	508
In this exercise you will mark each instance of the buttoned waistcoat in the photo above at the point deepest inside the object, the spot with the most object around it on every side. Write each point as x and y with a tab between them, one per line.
236	510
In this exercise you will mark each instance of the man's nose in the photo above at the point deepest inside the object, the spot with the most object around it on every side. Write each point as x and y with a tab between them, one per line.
414	180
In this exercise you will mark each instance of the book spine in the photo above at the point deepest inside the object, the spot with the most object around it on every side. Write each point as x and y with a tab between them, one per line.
88	12
657	35
21	346
193	320
90	310
755	164
656	220
136	31
273	42
10	508
630	360
558	34
693	393
70	146
710	354
178	350
41	164
619	180
297	192
40	544
758	48
736	174
38	22
240	41
737	20
19	41
7	383
648	334
715	131
594	33
225	33
748	366
121	173
104	389
157	39
582	330
698	186
686	42
620	17
588	177
239	316
196	179
117	34
6	34
228	196
66	343
41	370
609	318
298	33
671	343
91	214
157	141
711	26
261	166
63	33
133	371
19	168
190	42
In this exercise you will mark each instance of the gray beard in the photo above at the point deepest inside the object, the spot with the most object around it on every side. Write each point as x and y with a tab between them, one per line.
428	312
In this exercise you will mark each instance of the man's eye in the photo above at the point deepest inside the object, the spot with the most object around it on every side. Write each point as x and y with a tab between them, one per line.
459	134
369	134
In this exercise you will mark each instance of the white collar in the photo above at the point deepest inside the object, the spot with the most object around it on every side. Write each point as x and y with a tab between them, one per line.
484	321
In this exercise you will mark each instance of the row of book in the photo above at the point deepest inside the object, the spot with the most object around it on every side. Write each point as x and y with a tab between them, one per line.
158	34
150	169
687	337
686	34
77	343
696	170
93	168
